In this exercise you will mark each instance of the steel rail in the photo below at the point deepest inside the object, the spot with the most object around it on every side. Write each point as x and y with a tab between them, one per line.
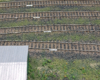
49	14
50	28
48	3
54	46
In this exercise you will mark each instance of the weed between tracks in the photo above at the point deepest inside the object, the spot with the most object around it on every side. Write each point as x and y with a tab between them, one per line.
45	68
55	36
53	8
4	0
45	22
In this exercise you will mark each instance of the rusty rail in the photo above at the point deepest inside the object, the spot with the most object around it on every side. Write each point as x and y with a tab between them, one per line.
56	46
50	28
19	4
51	15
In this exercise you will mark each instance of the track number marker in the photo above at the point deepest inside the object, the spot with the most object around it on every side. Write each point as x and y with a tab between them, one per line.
29	5
52	49
36	17
46	31
16	17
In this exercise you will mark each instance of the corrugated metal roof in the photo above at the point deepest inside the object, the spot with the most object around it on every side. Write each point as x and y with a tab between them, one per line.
13	53
13	62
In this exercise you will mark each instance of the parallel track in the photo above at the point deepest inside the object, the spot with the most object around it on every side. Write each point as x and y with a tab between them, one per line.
50	28
51	18
59	46
19	4
51	15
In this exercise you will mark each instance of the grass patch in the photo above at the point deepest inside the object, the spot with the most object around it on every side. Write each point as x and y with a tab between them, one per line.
45	22
53	8
58	69
4	0
55	36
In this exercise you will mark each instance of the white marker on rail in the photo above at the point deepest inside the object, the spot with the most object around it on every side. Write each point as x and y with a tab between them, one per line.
46	31
16	17
52	49
36	17
29	5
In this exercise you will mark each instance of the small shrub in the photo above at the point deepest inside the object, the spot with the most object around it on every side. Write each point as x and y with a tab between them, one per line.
44	63
73	77
51	66
83	71
29	72
32	76
49	61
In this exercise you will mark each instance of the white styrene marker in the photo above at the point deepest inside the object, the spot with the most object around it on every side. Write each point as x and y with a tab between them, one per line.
29	5
46	31
16	17
52	49
36	17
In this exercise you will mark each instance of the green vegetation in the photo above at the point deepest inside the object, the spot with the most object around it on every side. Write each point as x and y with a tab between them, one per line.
53	8
57	69
55	36
4	0
44	22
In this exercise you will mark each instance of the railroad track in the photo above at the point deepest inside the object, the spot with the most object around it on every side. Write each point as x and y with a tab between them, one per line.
56	46
50	28
18	4
50	18
51	15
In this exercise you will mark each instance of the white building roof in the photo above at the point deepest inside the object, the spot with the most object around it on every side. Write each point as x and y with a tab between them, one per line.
13	62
